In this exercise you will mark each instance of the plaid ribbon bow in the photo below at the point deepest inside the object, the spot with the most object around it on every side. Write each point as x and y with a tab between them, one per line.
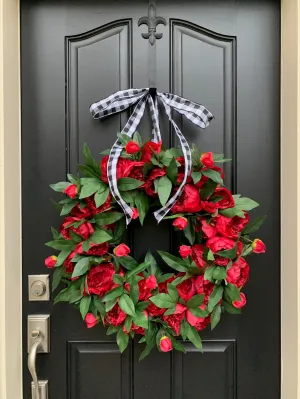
122	100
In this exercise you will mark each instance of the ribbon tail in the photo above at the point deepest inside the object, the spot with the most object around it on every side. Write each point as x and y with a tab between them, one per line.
154	117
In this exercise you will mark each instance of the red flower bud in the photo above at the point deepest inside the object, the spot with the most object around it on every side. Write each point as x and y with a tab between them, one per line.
240	303
180	223
135	214
165	344
258	246
50	262
71	191
90	320
122	250
207	159
132	147
185	251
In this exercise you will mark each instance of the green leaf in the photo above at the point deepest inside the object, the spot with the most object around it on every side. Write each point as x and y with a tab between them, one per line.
60	187
56	278
172	291
228	254
127	183
99	305
230	308
215	316
101	197
210	255
126	304
219	273
89	160
176	345
196	176
215	297
150	340
189	232
255	225
231	212
128	262
164	188
173	261
179	280
220	158
88	171
81	267
170	311
110	304
172	171
245	204
140	268
213	175
55	233
100	236
112	330
122	340
209	273
118	279
195	301
137	139
119	231
232	292
163	300
142	203
86	245
142	305
84	306
184	329
68	207
208	189
89	189
141	320
61	244
247	250
166	157
134	292
106	218
62	257
69	294
195	157
113	294
199	312
194	337
153	264
128	323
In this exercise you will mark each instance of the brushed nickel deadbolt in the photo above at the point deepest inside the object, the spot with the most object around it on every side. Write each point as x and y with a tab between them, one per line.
38	287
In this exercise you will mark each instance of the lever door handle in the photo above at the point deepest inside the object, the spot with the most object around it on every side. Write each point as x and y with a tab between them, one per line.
38	336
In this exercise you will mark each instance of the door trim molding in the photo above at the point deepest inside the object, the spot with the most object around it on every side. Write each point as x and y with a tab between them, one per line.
10	201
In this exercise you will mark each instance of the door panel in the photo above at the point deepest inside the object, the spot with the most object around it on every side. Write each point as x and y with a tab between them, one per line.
223	54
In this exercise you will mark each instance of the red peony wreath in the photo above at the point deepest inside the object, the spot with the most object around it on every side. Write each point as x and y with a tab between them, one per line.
131	298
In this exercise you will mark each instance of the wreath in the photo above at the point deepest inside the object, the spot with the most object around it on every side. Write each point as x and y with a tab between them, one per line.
131	298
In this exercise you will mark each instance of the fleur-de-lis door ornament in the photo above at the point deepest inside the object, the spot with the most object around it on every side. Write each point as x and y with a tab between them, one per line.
152	21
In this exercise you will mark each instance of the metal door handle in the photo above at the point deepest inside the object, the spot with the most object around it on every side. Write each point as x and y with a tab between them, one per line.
38	336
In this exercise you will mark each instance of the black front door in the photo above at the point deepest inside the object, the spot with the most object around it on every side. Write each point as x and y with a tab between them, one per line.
223	54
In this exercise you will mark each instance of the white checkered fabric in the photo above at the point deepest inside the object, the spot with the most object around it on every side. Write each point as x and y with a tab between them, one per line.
122	100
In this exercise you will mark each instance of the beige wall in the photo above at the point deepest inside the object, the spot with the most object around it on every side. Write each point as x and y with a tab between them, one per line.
10	204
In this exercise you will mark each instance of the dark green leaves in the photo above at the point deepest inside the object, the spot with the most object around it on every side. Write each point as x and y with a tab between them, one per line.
85	305
230	308
163	301
101	197
172	171
173	261
122	340
106	218
57	275
193	336
127	305
164	188
215	316
195	301
100	236
113	294
228	254
215	297
127	183
245	204
213	175
219	273
232	292
138	269
81	267
255	225
61	244
60	187
142	203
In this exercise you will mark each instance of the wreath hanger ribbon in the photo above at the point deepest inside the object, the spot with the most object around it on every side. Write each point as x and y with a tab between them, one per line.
124	99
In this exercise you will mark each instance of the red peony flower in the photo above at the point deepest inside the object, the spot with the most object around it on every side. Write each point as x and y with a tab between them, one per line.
121	166
185	251
240	303
122	250
186	289
197	255
135	214
68	264
208	229
238	274
165	344
90	320
152	309
149	185
132	147
50	262
71	191
226	228
92	206
85	230
207	159
189	200
198	322
258	246
204	287
146	286
227	201
95	249
134	170
209	207
180	223
100	279
174	321
116	316
239	223
149	149
217	244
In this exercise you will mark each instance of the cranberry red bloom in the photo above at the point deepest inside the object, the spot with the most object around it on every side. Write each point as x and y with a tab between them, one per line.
189	200
207	159
132	147
258	246
85	230
122	250
50	262
238	274
95	249
240	303
165	344
90	320
71	191
149	149
135	214
116	316
181	223
100	279
218	243
185	251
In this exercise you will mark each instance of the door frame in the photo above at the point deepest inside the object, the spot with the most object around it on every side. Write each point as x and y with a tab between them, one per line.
10	201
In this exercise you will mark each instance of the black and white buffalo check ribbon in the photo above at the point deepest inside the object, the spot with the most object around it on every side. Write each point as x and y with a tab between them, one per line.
122	100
